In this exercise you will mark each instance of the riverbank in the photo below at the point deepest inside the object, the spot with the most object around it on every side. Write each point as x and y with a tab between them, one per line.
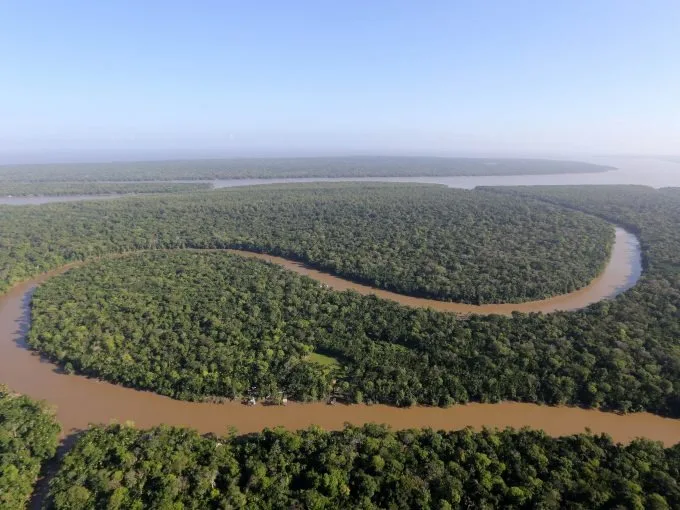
652	172
621	272
80	401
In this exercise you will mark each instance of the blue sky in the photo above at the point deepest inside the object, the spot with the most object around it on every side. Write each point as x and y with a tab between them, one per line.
206	78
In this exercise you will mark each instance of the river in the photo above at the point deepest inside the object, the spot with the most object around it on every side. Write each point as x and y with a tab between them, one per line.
80	401
621	272
652	172
642	171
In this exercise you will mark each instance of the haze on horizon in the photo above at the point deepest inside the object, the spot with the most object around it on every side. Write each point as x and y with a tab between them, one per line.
87	81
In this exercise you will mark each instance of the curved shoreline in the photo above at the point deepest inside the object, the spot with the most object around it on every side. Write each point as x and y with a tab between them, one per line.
622	271
80	401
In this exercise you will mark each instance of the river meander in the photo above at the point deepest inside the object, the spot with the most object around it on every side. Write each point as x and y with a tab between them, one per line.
621	272
80	401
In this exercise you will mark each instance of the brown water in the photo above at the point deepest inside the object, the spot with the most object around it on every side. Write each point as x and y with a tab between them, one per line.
80	401
621	273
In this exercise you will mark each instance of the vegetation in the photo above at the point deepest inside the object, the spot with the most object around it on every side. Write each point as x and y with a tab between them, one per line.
291	167
420	240
622	354
671	191
28	436
189	325
96	188
369	467
203	325
323	360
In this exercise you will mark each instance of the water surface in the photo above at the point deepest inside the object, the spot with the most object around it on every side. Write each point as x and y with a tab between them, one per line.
642	171
80	401
621	272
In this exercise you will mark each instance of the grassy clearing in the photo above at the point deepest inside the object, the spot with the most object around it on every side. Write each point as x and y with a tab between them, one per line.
322	359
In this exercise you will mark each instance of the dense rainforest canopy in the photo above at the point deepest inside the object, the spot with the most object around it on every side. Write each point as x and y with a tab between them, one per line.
367	467
621	354
195	325
241	168
429	241
188	325
28	436
96	188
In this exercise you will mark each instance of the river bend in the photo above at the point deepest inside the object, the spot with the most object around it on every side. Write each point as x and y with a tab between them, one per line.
80	401
621	272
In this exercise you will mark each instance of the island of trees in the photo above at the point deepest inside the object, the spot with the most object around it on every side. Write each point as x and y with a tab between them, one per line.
28	437
368	467
262	168
203	325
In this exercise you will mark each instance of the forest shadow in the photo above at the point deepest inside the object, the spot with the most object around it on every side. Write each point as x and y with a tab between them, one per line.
39	497
24	326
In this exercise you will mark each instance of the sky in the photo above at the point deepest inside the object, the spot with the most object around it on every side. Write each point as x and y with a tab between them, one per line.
166	79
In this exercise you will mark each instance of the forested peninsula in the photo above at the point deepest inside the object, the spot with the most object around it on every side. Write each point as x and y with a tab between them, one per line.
363	467
429	241
263	168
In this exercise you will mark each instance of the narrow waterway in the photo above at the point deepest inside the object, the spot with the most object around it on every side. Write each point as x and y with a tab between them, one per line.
622	271
80	401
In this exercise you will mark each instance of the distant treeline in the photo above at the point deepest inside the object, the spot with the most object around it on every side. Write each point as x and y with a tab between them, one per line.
96	188
28	437
366	467
359	166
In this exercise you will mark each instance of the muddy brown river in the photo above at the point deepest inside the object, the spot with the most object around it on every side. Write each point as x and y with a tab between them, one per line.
80	401
622	271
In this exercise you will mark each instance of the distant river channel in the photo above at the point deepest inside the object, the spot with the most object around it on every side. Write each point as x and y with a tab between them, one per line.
657	173
80	401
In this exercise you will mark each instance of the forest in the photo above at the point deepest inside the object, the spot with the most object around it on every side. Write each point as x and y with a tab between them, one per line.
197	326
188	325
262	168
369	467
621	354
96	188
428	241
28	437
